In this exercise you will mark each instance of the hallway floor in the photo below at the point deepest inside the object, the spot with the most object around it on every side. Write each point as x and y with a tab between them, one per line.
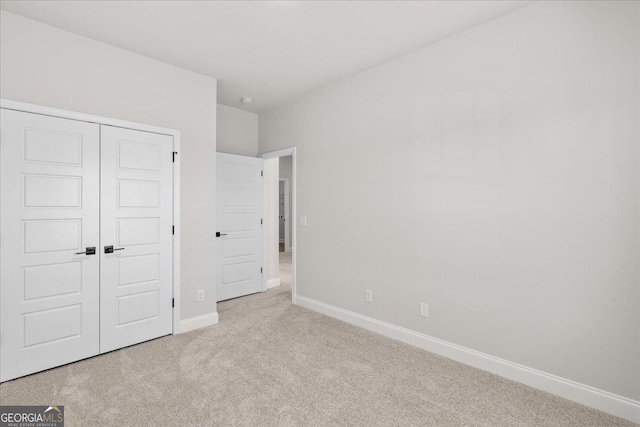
270	363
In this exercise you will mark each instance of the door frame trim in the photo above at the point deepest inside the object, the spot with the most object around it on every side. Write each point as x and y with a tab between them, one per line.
9	104
291	151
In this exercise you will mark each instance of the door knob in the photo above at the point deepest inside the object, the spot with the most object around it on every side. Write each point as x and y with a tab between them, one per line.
110	249
88	251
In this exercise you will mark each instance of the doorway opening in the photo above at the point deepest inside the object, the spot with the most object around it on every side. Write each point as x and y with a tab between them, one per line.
284	211
280	218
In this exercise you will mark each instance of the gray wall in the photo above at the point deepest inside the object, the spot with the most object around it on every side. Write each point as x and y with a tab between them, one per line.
493	175
43	65
237	131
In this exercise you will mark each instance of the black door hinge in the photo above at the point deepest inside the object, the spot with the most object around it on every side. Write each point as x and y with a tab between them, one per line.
173	229
260	270
173	302
261	221
261	173
174	156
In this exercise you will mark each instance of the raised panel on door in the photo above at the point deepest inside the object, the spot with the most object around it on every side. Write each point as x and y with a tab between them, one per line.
239	214
49	294
136	217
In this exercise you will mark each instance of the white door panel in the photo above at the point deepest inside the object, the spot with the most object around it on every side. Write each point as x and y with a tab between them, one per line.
49	295
136	219
239	214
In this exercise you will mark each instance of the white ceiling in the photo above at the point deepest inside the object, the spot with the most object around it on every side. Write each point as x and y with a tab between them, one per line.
271	51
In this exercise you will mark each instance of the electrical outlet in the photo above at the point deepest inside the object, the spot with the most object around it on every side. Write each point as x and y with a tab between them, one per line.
200	294
303	221
424	309
368	295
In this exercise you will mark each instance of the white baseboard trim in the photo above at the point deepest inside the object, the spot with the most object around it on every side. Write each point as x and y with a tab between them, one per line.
272	283
198	322
620	406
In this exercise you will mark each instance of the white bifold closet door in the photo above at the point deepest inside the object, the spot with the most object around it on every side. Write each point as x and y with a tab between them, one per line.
136	221
86	249
50	210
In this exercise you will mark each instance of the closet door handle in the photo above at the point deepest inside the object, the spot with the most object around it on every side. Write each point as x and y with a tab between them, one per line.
88	251
110	249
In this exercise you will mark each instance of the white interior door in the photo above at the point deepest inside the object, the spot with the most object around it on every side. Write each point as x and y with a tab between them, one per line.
49	290
239	216
136	221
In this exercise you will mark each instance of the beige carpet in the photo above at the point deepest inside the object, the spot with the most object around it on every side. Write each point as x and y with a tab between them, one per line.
269	363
